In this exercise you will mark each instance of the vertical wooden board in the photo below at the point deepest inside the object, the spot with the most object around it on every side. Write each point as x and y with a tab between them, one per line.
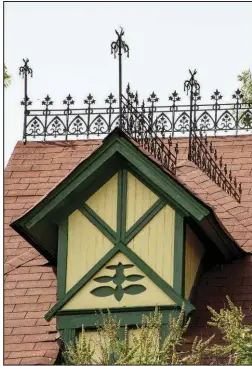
139	200
154	244
152	296
86	246
194	253
104	202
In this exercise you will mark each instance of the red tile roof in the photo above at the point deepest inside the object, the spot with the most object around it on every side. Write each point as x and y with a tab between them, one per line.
30	284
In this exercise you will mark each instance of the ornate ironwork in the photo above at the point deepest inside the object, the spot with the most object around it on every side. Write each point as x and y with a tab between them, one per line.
25	70
116	48
205	156
137	126
147	123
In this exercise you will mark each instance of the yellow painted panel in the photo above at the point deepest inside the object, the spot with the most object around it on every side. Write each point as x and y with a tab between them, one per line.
95	340
154	244
135	333
139	200
193	254
104	202
86	246
152	296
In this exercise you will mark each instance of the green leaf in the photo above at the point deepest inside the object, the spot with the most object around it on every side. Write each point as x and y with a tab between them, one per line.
103	279
134	278
118	293
134	289
103	291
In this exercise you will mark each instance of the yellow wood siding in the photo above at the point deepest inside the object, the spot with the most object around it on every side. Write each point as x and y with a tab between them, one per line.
95	340
139	200
155	243
151	297
135	333
104	202
193	255
86	246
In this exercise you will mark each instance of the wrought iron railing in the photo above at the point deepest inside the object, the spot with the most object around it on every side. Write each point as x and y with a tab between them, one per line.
174	119
205	156
146	123
135	124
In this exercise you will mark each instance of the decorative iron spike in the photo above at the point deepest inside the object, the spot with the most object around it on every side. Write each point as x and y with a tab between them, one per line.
69	100
240	188
47	101
25	69
136	98
216	95
169	141
143	107
205	140
153	98
89	100
174	97
235	182
237	95
230	175
192	84
176	149
211	147
216	155
110	99
26	102
128	89
119	45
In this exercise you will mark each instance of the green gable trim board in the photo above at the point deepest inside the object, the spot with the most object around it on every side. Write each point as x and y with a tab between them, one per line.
179	255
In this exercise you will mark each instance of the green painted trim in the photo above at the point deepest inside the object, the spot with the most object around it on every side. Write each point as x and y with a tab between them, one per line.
82	282
98	222
68	334
62	259
179	255
164	286
119	205
144	220
124	204
126	316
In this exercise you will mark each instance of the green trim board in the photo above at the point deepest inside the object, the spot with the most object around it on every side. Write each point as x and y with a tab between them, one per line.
62	259
144	220
98	222
128	316
179	255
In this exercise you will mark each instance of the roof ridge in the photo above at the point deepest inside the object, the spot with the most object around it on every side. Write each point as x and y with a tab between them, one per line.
21	259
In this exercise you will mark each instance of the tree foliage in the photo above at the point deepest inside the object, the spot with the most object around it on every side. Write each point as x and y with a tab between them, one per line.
246	79
150	348
7	77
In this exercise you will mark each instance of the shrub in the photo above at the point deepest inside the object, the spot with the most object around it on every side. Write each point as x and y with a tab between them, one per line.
149	347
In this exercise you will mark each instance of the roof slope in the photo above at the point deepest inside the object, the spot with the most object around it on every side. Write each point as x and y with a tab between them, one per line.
33	170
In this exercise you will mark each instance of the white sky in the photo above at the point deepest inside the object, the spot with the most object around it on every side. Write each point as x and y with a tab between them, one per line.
68	45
